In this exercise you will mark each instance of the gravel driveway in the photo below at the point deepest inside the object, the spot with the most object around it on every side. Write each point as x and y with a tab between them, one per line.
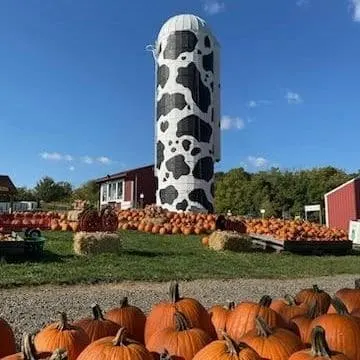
28	309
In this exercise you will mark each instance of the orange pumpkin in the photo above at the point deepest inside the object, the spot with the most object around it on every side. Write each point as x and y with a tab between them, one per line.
130	317
97	327
120	347
219	315
272	343
226	349
161	315
7	339
322	298
319	348
350	297
242	319
341	329
205	241
28	352
180	341
62	335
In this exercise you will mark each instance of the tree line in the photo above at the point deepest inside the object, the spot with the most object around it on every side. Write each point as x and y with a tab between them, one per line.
277	192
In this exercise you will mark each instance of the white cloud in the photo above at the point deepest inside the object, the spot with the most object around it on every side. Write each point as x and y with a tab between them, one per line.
87	159
293	98
256	103
55	156
68	158
301	3
355	5
72	168
213	7
228	122
104	160
258	162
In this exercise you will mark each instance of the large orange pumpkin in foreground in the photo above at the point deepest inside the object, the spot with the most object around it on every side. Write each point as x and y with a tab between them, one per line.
181	342
161	315
130	317
319	349
308	296
226	349
28	352
97	327
350	297
342	331
272	343
219	315
7	339
113	348
62	335
242	319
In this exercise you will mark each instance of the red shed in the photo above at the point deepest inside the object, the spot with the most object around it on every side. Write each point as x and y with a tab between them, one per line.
123	189
343	204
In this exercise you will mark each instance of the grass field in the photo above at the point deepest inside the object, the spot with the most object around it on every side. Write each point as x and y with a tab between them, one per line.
162	258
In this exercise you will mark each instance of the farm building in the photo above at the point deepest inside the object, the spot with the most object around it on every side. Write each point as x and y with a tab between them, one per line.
342	204
128	189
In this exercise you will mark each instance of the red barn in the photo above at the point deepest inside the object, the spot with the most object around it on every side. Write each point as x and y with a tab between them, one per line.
343	204
123	189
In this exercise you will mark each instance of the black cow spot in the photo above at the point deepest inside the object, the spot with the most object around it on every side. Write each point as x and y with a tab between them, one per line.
168	102
177	141
182	205
204	169
212	86
164	126
193	126
160	48
208	62
186	145
170	143
160	147
207	42
167	175
177	166
199	52
179	42
183	58
156	182
168	195
189	107
199	196
190	78
163	73
164	179
210	151
173	150
212	189
195	151
212	115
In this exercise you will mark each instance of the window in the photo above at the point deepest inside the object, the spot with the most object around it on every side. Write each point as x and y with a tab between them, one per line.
120	190
112	191
104	192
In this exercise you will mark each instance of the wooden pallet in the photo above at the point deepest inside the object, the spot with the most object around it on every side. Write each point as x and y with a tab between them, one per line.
313	247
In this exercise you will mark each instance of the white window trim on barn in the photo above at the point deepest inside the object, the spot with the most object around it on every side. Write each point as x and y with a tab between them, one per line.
112	187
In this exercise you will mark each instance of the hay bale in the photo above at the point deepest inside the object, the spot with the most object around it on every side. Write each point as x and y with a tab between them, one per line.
229	240
92	243
73	215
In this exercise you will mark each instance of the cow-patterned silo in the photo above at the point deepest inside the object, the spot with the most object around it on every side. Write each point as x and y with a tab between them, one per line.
187	130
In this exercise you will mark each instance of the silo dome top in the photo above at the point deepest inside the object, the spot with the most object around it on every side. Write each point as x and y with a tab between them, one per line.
181	23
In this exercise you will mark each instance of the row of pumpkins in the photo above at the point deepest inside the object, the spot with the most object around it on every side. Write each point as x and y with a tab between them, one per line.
308	326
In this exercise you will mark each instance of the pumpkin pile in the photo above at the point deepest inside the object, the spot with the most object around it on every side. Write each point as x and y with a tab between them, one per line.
309	325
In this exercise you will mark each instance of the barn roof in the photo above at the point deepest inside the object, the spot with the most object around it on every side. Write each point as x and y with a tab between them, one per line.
6	185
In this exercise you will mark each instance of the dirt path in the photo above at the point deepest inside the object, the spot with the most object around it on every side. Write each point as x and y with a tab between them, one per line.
28	309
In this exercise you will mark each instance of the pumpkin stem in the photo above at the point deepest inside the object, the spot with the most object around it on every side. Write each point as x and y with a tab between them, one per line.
290	299
124	302
263	329
233	348
231	305
181	323
97	313
357	284
27	347
319	346
313	310
59	354
174	292
266	301
63	323
316	289
121	337
339	306
165	355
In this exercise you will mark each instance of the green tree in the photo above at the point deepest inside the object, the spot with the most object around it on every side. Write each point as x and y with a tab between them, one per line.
89	191
24	194
48	190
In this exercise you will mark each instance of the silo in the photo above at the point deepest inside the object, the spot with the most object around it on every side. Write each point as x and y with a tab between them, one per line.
187	124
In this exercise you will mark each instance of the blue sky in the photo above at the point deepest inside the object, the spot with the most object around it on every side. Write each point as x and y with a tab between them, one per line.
77	86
